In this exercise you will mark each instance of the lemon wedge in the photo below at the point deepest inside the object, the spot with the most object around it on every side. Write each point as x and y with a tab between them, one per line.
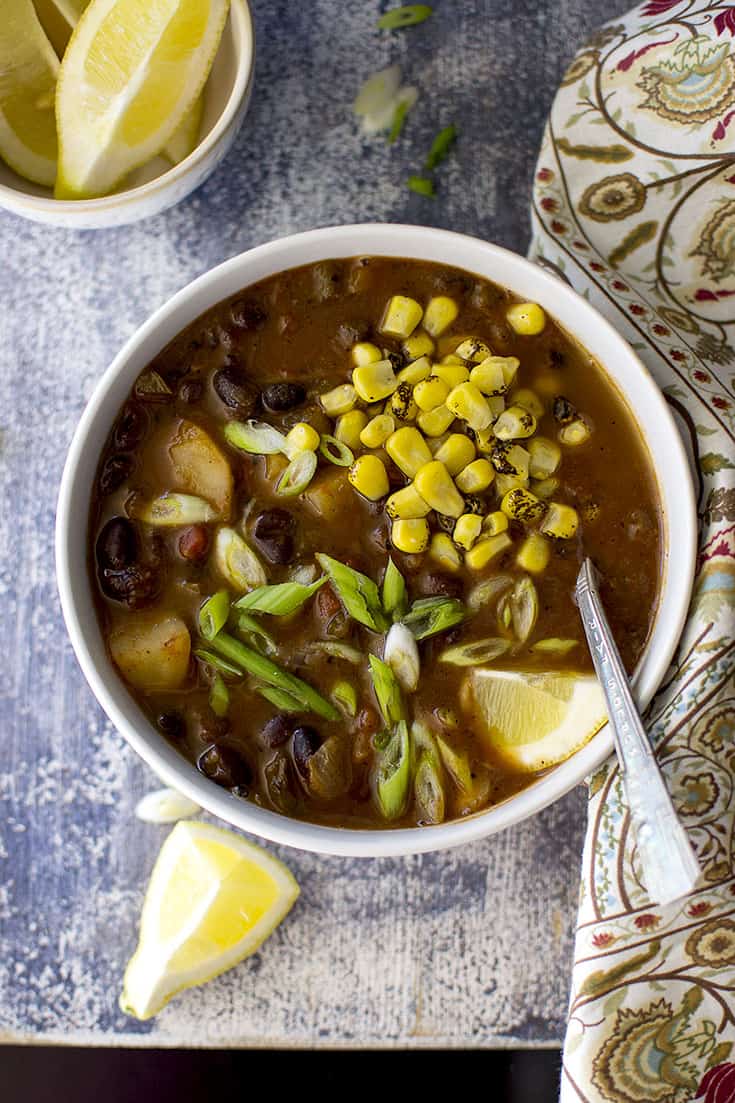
533	721
185	137
132	71
213	898
57	25
28	71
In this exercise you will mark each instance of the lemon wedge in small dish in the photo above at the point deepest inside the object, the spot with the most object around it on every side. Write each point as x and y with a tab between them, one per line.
56	22
212	900
185	137
534	720
28	71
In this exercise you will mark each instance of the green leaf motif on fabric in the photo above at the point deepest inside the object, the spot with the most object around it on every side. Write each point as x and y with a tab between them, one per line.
712	462
643	232
597	780
603	980
613	154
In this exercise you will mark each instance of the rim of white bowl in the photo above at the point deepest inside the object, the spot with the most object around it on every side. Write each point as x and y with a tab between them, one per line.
14	200
417	242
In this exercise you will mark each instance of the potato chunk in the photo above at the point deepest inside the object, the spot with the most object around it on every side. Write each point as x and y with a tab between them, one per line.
200	467
151	652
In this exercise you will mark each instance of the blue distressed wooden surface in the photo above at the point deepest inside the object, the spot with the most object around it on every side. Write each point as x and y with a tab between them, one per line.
471	947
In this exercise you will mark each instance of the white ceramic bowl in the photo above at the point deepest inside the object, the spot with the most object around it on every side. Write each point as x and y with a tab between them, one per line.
157	185
527	280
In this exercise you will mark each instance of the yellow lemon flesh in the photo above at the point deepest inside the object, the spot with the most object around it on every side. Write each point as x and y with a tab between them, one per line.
131	73
57	25
213	898
185	137
28	71
532	721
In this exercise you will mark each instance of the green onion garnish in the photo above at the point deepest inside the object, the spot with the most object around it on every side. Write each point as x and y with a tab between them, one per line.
441	145
297	475
214	613
399	117
394	591
345	695
356	591
219	696
257	437
280	698
279	600
387	691
407	16
421	185
430	615
393	773
253	632
336	451
217	662
476	653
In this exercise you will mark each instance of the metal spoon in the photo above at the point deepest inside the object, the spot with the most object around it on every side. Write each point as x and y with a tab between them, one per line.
670	866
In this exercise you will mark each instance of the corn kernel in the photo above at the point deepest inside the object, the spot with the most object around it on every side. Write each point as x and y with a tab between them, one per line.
434	484
452	374
473	349
452	359
494	374
522	505
504	483
495	522
526	318
302	438
365	353
430	393
545	457
349	426
435	422
485	440
402	405
466	530
440	313
545	488
418	346
533	554
369	477
475	477
515	423
469	404
443	551
455	453
377	431
408	450
435	443
510	459
487	549
576	432
374	381
411	537
415	372
401	317
406	504
530	400
340	400
560	521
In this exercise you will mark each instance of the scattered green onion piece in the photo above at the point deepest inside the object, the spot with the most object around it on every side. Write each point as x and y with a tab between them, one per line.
428	785
421	185
345	695
441	145
401	653
297	475
476	653
430	615
394	591
487	590
381	740
336	451
279	600
237	561
336	650
177	509
257	437
151	385
399	117
280	698
356	591
456	764
407	16
254	632
219	697
217	662
523	606
393	773
387	691
214	613
554	645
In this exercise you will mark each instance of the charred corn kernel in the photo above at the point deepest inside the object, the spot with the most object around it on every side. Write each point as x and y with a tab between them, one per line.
473	349
440	313
369	477
560	521
533	554
302	438
494	374
452	374
545	488
377	431
365	353
402	405
495	523
401	317
466	530
443	551
430	393
374	381
529	400
406	504
545	457
591	511
455	453
473	503
418	346
522	505
415	372
484	440
576	432
433	423
411	537
510	459
504	483
526	318
475	477
408	450
434	484
515	423
469	404
340	400
349	426
486	549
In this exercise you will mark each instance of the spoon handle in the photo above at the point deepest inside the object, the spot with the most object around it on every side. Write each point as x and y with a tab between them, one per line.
670	866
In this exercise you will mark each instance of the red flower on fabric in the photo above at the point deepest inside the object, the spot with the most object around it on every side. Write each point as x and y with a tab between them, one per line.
725	21
701	908
558	227
718	1084
619	285
544	175
580	245
602	939
658	7
597	267
625	63
635	308
678	355
721	129
721	403
647	921
661	331
701	376
549	204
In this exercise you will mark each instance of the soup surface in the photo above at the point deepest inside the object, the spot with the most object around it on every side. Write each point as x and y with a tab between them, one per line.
336	532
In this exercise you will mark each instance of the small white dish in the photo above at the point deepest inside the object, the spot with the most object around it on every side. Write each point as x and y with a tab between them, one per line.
158	185
621	365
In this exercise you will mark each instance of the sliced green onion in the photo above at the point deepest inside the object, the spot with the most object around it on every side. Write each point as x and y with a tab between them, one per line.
345	695
476	653
297	475
336	451
488	590
387	691
237	561
407	16
257	437
456	764
280	698
394	591
441	145
254	632
520	608
214	613
554	646
335	650
430	615
428	786
177	509
399	117
356	591
421	185
217	662
401	653
393	773
381	740
272	675
279	600
219	697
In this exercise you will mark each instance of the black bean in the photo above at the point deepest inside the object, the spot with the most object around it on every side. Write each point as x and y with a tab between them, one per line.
446	524
273	531
563	410
191	390
247	314
135	586
234	391
172	724
473	503
557	358
115	470
131	427
117	544
349	333
194	542
276	731
306	742
283	396
224	766
397	360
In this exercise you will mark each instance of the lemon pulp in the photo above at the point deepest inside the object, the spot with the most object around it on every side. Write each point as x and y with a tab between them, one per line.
28	71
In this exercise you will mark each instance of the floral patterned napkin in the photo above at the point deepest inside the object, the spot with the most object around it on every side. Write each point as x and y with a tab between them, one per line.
634	202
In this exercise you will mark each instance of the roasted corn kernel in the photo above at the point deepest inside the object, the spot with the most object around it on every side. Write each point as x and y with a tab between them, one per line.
406	504
417	346
473	503
377	431
504	483
340	400
487	549
545	488
515	423
430	393
545	457
369	477
440	313
522	505
484	439
510	459
434	484
526	318
473	349
466	530
455	453
415	372
495	523
576	432
349	426
452	373
374	381
408	450
469	404
475	476
302	438
494	374
410	536
435	443
402	405
561	521
435	422
533	554
401	317
443	551
365	353
527	398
